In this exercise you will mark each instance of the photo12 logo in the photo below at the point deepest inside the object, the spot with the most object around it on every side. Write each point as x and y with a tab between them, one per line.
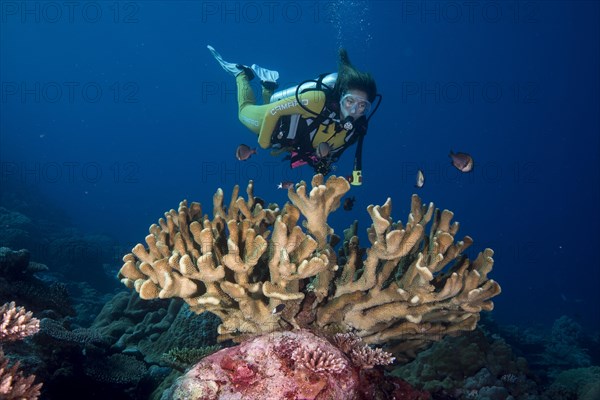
468	12
69	172
271	172
469	92
486	172
68	92
69	12
269	12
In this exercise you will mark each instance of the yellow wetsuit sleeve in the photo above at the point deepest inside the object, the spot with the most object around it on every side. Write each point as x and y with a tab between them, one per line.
313	100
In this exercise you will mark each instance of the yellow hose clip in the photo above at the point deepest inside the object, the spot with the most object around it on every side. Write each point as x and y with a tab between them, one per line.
356	178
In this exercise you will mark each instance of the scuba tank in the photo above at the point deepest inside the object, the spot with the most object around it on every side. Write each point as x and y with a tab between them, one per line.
328	81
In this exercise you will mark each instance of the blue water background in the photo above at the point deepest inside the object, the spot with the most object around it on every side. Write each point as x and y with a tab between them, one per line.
151	120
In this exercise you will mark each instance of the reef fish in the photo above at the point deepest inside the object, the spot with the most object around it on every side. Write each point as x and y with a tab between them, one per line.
462	161
420	179
349	203
243	152
285	185
279	308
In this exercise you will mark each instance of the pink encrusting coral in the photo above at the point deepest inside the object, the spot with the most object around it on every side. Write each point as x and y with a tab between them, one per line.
281	365
292	366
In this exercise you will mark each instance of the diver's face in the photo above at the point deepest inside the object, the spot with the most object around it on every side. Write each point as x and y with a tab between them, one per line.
354	103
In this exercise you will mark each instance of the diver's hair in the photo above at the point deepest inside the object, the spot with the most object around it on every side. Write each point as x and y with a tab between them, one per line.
351	78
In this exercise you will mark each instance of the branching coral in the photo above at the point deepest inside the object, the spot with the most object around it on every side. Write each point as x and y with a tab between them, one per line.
13	385
362	355
16	324
259	271
318	360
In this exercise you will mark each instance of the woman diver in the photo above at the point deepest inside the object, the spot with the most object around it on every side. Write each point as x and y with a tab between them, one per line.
315	121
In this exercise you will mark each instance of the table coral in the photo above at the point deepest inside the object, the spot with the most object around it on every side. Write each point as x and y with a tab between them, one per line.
259	271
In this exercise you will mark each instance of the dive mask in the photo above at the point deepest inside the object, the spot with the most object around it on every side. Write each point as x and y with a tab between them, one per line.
355	106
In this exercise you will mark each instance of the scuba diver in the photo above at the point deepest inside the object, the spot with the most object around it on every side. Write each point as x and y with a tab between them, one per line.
315	121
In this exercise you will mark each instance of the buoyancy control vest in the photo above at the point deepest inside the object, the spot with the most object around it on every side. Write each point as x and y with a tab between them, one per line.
288	128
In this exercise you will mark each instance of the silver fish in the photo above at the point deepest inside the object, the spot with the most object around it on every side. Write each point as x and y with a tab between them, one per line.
420	179
462	161
285	185
243	152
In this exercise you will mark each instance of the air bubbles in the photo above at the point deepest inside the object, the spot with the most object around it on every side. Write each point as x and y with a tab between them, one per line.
352	22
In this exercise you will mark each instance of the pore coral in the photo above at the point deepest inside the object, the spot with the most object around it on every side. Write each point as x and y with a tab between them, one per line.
259	271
